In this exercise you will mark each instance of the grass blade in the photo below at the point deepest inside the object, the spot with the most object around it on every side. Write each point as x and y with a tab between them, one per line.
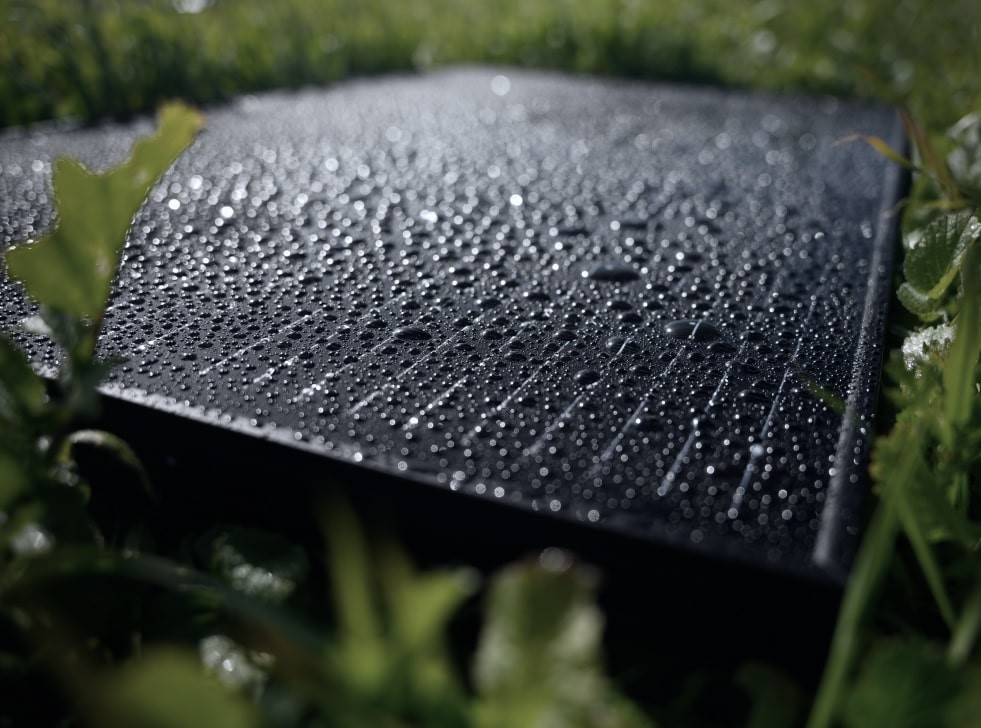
874	559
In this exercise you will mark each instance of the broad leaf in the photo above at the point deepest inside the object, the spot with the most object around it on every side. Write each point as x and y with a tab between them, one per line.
776	700
539	660
965	708
932	264
420	605
72	268
13	481
918	303
22	391
167	688
390	655
902	684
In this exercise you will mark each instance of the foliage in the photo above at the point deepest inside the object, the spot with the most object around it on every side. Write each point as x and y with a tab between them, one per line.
106	57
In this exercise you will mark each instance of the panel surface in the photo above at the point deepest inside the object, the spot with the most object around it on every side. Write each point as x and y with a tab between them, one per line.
629	305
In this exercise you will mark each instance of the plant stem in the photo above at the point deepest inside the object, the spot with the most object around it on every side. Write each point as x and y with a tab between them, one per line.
966	632
871	566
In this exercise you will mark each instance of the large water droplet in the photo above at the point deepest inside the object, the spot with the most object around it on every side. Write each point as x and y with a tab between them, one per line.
613	273
587	376
699	330
411	333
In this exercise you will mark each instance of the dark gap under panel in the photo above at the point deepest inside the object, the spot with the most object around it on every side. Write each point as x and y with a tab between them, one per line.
604	312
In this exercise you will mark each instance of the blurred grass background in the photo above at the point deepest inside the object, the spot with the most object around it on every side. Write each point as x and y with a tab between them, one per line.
88	59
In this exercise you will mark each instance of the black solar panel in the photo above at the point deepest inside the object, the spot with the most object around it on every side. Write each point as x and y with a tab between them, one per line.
615	303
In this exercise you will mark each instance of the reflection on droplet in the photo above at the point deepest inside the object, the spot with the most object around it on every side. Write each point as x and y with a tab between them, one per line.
411	333
647	423
587	376
699	330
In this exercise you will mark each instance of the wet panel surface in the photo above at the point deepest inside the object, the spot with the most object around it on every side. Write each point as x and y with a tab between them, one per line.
611	302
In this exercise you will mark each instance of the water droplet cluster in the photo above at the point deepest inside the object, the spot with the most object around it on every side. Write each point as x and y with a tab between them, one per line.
614	302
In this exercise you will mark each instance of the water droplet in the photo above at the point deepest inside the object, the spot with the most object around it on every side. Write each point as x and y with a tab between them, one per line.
613	273
411	333
699	330
647	423
587	376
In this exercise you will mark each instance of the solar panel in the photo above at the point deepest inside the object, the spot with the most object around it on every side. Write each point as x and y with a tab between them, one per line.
654	311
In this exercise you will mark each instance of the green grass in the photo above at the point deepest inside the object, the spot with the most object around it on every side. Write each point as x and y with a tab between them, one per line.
96	58
905	651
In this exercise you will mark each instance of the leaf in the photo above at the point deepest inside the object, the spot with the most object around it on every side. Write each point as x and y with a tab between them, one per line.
167	688
113	444
902	684
261	564
965	707
932	264
927	344
391	654
539	662
72	268
22	391
906	485
917	303
72	562
964	159
776	700
420	605
968	627
959	370
871	566
882	147
13	482
348	563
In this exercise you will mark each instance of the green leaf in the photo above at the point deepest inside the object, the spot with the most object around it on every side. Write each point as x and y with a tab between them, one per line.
13	481
933	262
906	485
776	700
22	391
539	661
965	707
918	303
261	564
391	654
72	562
968	627
72	268
959	371
964	159
349	567
902	684
112	444
420	606
871	566
882	147
167	688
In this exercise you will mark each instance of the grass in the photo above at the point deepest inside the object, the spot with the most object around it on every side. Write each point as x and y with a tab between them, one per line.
97	58
905	651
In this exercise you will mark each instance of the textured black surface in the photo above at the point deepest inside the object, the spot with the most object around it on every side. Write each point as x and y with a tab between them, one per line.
602	301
